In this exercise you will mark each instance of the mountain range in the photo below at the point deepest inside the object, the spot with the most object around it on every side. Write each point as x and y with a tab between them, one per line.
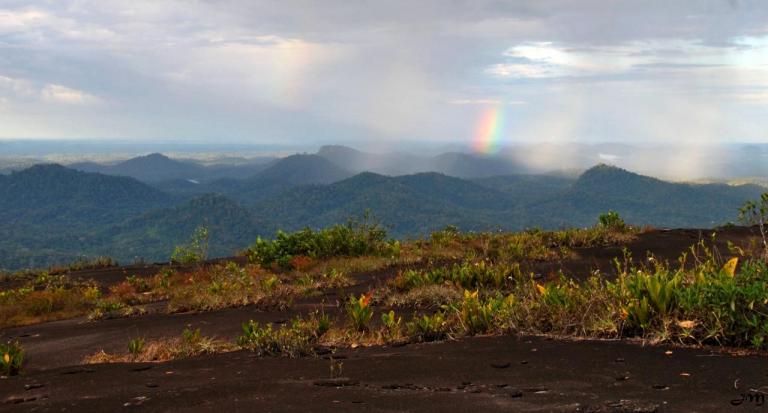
53	214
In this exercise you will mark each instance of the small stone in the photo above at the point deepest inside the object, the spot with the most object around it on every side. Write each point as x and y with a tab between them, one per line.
514	393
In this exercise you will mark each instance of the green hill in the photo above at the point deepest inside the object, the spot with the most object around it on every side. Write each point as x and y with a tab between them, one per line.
54	214
53	197
643	200
154	235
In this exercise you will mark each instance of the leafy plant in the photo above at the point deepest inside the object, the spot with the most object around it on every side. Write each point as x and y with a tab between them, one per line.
391	324
359	311
428	328
11	358
476	316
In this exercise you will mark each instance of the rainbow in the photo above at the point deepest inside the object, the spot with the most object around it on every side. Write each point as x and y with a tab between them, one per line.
489	131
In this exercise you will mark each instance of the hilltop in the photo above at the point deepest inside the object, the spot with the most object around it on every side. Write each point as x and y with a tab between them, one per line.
96	214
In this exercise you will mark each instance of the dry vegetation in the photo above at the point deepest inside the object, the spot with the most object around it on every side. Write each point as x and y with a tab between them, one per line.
466	284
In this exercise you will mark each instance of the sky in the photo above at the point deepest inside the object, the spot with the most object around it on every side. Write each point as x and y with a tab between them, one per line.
484	74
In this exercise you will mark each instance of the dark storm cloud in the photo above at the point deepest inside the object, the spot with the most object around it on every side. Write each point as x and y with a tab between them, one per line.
366	71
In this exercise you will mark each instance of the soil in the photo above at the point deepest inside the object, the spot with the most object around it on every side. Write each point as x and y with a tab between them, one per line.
508	373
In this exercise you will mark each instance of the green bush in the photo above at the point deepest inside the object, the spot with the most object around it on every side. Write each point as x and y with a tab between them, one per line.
293	340
611	220
350	240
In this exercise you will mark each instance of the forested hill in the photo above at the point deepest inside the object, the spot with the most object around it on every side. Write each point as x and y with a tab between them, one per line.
53	214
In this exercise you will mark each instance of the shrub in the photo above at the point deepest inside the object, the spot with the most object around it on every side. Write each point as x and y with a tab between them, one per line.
293	340
11	358
611	220
445	236
350	240
195	250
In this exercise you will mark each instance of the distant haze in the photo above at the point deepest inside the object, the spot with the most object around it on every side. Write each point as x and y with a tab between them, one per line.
736	163
479	75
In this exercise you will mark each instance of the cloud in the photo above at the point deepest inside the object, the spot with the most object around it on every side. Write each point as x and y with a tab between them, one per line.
23	90
539	60
65	95
304	71
485	102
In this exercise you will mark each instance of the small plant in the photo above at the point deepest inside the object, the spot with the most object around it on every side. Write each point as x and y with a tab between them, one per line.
323	324
293	340
467	275
428	328
391	324
135	346
360	312
334	279
11	358
139	284
475	315
336	369
195	250
270	283
612	221
756	213
445	236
